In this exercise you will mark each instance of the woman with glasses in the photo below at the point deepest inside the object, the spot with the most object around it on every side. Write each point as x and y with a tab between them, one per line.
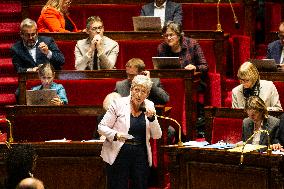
251	85
177	45
55	17
128	125
97	51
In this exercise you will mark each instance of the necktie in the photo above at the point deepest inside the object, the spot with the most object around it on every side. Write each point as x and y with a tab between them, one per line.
95	61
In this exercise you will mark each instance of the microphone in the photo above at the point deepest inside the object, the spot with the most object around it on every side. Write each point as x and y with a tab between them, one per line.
268	144
10	128
143	109
237	25
219	27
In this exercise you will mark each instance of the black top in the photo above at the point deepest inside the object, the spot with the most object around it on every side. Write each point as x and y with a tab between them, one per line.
138	128
68	24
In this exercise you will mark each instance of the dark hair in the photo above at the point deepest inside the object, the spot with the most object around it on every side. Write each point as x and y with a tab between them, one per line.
20	162
257	104
93	19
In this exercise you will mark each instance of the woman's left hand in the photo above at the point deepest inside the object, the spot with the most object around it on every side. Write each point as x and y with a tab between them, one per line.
150	112
57	101
190	67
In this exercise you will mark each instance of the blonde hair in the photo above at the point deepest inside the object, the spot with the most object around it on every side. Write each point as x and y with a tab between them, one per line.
257	104
142	80
28	23
44	68
136	63
57	4
248	71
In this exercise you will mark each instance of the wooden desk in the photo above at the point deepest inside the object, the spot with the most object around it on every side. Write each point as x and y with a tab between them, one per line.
213	112
190	78
215	169
66	165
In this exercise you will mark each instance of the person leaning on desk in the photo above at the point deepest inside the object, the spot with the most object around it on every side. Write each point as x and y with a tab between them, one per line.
258	119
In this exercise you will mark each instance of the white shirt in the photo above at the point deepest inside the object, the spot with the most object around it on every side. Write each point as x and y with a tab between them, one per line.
282	56
160	12
256	137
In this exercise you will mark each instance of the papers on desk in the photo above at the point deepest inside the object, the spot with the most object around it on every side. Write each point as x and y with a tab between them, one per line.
221	146
93	140
248	148
59	140
196	144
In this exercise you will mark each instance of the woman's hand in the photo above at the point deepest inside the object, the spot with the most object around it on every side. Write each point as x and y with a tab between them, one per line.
276	146
57	101
120	137
150	113
190	67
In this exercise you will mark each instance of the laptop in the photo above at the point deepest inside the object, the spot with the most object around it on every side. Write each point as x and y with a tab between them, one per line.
166	63
265	65
146	23
40	97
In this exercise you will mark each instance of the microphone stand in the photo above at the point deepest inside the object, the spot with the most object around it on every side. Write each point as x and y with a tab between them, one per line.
268	144
219	26
10	129
179	128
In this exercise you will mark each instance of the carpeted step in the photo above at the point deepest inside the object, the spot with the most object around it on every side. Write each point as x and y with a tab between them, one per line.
5	49
7	99
6	67
8	84
9	31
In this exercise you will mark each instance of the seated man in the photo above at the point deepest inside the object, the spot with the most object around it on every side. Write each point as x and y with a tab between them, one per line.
166	10
136	66
97	51
275	49
34	50
30	183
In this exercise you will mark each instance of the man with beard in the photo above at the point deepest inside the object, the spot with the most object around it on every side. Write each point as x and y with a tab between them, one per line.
34	50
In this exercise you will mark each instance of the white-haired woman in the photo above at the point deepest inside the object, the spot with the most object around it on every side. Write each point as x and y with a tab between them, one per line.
251	85
129	159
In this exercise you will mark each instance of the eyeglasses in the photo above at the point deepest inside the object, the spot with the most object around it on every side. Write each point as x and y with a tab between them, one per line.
170	35
244	80
68	3
97	28
28	35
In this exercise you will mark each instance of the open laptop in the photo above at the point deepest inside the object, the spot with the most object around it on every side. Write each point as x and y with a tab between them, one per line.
146	23
166	63
265	65
40	97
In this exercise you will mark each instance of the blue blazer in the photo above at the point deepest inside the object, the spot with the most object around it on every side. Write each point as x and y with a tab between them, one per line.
274	51
22	59
173	11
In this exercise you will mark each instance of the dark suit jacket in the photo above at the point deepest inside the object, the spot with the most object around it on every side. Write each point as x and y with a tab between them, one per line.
274	51
272	125
157	94
22	59
173	11
281	130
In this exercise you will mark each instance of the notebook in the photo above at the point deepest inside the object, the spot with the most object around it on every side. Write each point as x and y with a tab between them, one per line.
265	65
166	63
40	97
146	23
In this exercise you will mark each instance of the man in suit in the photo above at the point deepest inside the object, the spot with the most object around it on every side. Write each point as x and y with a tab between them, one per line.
275	49
34	50
97	51
136	66
166	10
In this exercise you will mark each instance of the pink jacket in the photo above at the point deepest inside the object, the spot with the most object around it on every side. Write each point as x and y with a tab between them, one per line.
117	119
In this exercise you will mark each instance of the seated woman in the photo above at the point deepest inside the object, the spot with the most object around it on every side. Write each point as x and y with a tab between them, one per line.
258	119
46	74
251	85
54	17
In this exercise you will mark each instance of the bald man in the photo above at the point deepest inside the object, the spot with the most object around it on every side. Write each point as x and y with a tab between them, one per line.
30	183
